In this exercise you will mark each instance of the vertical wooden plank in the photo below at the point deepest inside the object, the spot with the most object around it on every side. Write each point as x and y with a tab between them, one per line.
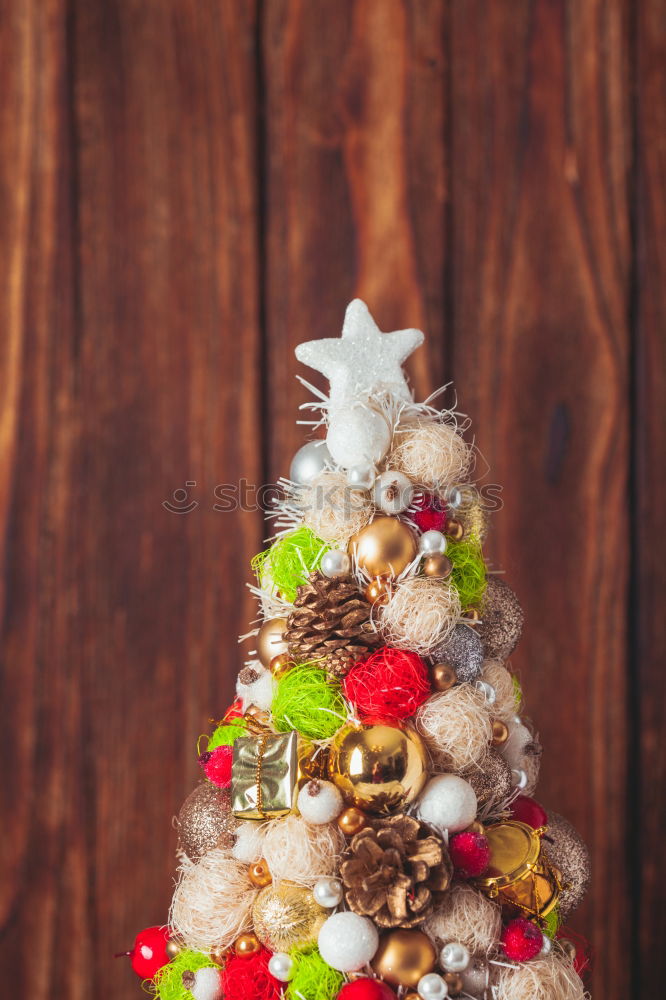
355	182
541	262
649	591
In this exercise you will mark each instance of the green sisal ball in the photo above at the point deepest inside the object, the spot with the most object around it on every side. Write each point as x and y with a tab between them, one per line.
309	702
290	560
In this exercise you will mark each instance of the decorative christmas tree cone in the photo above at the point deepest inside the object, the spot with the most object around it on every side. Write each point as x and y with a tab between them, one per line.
366	827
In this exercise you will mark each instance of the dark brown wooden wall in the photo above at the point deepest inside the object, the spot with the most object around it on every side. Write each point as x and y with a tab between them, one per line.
189	188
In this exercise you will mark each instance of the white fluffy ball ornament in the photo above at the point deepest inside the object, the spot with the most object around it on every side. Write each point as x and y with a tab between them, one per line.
319	802
447	802
347	941
249	844
255	686
356	435
207	984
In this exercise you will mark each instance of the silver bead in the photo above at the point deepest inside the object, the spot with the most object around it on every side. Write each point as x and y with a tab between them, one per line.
518	778
486	689
432	543
454	499
281	966
328	892
546	947
454	957
432	987
308	462
392	492
360	477
335	563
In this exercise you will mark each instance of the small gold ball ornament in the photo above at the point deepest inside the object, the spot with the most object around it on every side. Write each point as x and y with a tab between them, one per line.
219	955
403	957
280	664
351	821
454	983
259	874
247	945
270	639
438	566
384	547
378	590
454	530
443	677
380	767
174	946
287	916
500	732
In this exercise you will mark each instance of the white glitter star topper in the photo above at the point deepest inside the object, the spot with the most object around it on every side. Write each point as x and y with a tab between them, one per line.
362	365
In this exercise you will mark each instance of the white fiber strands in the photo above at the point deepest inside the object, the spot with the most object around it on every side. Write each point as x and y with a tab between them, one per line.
212	902
506	703
549	978
302	852
420	614
456	727
467	916
432	453
332	510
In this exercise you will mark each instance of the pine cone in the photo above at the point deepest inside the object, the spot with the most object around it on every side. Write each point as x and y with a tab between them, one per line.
330	622
394	870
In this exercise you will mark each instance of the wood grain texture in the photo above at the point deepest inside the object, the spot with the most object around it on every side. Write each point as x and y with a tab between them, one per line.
542	252
648	652
189	189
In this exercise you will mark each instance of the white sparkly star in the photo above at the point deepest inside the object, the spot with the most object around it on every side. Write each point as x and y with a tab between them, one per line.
363	361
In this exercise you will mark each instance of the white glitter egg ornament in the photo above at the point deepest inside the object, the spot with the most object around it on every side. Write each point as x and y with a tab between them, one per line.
448	803
348	941
319	802
357	435
207	984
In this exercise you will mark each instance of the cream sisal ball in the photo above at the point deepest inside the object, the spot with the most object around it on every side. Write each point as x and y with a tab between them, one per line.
467	916
332	510
420	614
455	726
301	852
433	454
213	901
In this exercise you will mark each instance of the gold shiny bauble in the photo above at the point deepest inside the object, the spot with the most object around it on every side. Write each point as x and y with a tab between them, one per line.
438	567
378	590
476	827
259	874
443	677
351	821
500	733
454	983
384	547
519	875
173	947
403	957
454	530
280	664
258	719
412	995
246	945
287	916
270	641
380	767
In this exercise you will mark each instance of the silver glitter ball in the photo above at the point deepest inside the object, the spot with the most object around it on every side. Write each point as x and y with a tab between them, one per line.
463	651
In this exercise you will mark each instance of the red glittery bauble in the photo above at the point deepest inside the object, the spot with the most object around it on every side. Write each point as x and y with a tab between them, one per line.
366	989
389	684
248	978
431	515
527	810
149	952
522	940
470	854
216	765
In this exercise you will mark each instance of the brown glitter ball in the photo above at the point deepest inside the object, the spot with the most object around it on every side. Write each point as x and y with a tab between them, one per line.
491	780
566	850
206	821
501	622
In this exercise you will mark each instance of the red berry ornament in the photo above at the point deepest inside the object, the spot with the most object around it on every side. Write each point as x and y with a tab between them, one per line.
431	515
527	810
366	989
522	940
149	953
216	765
470	854
234	711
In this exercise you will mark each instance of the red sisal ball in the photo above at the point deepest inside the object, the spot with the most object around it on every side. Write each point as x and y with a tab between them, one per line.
522	940
248	978
470	854
527	810
149	952
216	765
389	684
234	711
431	515
366	989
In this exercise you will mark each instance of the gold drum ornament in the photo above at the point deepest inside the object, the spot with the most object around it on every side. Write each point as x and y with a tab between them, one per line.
519	876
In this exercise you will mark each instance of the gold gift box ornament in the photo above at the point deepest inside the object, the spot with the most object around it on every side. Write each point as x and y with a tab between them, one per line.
519	876
267	772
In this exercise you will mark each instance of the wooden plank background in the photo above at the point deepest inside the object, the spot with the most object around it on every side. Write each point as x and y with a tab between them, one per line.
190	188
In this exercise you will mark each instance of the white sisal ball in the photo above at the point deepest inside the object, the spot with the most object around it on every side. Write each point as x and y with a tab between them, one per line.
448	803
357	435
319	802
207	984
347	941
249	844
